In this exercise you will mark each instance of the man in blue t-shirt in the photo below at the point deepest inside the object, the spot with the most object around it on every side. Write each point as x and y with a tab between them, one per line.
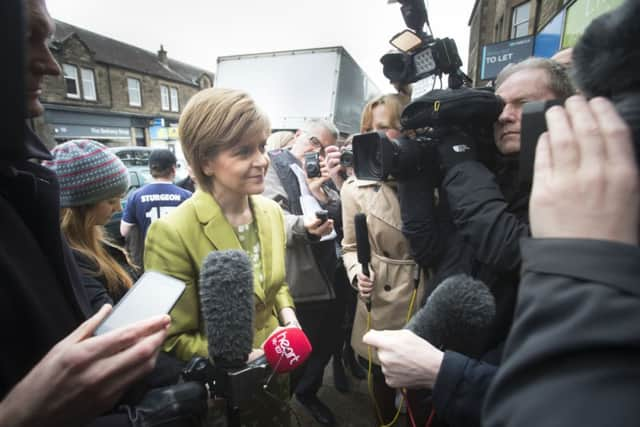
155	199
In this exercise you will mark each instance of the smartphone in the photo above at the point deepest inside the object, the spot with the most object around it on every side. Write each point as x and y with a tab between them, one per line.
533	124
322	215
152	295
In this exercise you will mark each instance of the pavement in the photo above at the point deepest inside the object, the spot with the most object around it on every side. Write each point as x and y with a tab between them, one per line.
351	409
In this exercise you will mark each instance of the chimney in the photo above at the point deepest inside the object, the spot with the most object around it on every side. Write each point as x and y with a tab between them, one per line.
162	56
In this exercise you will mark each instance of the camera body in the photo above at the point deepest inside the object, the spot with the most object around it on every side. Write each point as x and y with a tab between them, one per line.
429	57
533	124
433	117
312	165
346	158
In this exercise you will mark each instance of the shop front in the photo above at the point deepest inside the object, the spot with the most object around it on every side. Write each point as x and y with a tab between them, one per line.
110	129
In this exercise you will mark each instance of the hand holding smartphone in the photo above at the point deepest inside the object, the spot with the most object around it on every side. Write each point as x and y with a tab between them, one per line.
322	215
152	295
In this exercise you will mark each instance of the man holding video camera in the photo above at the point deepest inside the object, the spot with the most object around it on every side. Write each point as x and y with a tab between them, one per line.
489	209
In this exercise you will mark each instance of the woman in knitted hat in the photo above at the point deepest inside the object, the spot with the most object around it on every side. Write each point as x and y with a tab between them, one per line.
92	181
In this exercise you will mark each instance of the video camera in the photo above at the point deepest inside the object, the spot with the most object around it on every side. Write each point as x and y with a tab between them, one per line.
436	115
420	54
238	387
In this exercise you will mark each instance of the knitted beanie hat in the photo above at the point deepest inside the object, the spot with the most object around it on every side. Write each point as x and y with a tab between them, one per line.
88	173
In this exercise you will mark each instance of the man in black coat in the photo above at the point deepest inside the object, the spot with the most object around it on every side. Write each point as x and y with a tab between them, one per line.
489	211
53	371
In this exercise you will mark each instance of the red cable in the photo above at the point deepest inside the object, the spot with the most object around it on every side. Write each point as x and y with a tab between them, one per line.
433	413
409	411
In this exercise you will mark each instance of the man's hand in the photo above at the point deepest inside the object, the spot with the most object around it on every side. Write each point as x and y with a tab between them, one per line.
318	228
365	284
84	375
336	170
315	183
455	147
406	359
585	181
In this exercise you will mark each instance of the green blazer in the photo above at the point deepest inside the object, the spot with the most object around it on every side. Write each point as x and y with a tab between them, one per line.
176	245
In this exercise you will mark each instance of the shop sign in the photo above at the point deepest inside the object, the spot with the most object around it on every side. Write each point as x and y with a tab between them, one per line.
95	132
547	41
579	16
498	55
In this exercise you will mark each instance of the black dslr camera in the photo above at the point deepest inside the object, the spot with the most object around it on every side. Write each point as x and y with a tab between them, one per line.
433	117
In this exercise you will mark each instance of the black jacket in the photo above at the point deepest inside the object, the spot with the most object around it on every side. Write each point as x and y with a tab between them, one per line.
492	215
41	298
460	389
571	358
96	286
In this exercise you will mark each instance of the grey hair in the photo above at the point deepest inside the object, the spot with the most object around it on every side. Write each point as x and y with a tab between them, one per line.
559	80
311	124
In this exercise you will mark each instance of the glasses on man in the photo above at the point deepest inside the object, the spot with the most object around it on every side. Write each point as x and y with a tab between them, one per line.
317	144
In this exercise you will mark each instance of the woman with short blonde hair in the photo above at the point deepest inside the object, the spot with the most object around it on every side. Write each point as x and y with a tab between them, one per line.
223	135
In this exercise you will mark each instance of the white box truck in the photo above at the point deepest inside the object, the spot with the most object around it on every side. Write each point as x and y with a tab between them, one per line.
295	85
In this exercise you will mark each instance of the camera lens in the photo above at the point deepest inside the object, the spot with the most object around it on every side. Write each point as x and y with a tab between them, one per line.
313	170
346	158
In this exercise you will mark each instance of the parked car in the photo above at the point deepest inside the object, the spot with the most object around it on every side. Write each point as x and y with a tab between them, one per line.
139	156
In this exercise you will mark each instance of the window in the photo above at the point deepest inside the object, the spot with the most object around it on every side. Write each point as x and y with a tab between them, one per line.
175	106
88	84
71	80
520	21
164	97
135	98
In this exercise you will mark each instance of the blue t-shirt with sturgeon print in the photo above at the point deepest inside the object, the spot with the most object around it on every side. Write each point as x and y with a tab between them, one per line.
151	202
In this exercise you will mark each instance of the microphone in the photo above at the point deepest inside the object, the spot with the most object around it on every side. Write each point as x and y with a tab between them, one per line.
286	349
457	316
363	247
226	302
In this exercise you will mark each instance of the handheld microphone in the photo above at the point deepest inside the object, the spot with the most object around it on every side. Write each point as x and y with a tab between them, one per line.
286	349
457	316
226	301
363	246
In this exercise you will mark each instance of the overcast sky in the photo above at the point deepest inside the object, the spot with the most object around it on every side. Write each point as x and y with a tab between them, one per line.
198	31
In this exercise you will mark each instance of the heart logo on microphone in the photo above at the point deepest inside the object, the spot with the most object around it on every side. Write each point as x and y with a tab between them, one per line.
283	347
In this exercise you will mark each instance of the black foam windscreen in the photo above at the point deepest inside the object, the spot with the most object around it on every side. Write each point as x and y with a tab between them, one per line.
606	59
362	241
457	316
226	303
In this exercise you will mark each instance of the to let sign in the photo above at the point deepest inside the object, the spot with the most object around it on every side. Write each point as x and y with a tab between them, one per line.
498	55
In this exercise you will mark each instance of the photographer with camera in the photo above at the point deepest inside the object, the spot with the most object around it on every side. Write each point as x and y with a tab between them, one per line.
489	208
395	286
298	180
490	212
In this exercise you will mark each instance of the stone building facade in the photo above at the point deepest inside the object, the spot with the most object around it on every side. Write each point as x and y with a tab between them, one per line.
114	92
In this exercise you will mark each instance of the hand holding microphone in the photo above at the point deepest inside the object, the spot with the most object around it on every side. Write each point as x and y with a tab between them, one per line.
364	255
365	285
457	316
286	349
